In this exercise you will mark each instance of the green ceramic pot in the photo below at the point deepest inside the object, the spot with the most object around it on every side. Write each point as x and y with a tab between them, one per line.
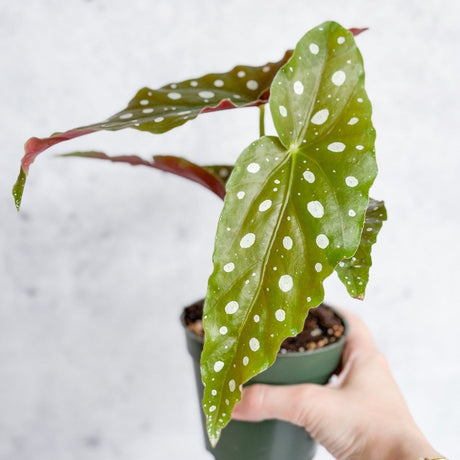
271	439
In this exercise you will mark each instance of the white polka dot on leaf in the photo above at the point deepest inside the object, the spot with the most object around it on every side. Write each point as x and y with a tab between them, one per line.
322	241
253	168
218	366
248	240
320	117
206	94
339	77
287	242
316	209
336	147
286	283
314	48
232	307
254	344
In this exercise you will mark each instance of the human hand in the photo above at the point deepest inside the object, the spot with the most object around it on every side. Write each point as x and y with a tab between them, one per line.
361	415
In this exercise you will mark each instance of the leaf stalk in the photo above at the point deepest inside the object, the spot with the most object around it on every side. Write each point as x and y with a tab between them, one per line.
262	120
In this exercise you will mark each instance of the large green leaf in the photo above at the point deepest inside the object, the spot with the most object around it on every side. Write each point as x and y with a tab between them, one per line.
354	271
294	208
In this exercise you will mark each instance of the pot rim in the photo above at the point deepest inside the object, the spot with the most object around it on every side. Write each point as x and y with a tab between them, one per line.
291	354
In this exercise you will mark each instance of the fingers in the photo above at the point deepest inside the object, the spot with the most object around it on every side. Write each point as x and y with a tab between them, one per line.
292	403
300	404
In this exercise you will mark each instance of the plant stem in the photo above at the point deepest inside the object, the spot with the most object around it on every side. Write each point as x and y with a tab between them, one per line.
262	120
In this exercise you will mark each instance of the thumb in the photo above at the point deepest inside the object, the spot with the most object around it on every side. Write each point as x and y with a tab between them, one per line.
304	405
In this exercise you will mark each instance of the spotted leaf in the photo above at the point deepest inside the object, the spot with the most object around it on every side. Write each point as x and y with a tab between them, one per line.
287	218
158	111
212	177
354	271
168	107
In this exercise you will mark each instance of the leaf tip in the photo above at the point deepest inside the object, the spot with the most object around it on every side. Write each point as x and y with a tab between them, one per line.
213	440
356	31
359	297
18	188
213	435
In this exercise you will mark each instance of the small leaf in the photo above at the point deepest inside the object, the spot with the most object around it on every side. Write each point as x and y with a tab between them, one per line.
286	220
354	271
170	106
161	110
211	177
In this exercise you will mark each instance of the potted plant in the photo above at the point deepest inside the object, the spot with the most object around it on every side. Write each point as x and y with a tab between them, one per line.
296	206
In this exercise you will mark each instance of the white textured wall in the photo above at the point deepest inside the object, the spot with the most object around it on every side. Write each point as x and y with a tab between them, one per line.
96	267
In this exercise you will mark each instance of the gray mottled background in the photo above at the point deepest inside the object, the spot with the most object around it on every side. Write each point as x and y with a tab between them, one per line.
96	267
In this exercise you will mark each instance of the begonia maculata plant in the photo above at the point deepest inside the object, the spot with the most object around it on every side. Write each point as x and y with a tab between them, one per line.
296	205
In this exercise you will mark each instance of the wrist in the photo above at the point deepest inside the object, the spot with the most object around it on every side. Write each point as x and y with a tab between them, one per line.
432	458
399	443
414	446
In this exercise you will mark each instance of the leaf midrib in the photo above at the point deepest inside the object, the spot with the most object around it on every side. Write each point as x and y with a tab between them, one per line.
262	272
272	238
